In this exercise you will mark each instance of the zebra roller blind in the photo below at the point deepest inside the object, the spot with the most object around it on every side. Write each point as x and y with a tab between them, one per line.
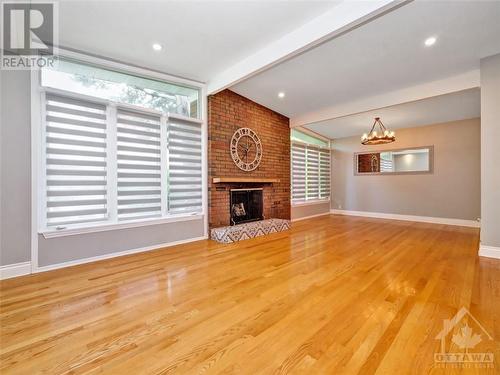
105	163
184	166
75	163
138	165
310	172
298	172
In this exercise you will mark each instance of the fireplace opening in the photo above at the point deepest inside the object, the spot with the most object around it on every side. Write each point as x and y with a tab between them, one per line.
246	205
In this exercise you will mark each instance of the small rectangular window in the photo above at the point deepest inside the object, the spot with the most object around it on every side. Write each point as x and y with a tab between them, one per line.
121	87
298	136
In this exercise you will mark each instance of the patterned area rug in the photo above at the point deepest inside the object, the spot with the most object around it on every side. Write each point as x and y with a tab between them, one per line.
249	230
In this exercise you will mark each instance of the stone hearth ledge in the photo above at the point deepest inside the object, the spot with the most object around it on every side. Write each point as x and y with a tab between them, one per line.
246	231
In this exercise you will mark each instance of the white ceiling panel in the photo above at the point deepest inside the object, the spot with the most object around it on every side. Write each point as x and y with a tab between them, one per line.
199	38
383	55
451	107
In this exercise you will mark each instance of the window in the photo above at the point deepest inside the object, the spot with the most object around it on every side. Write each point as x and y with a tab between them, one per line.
310	169
106	162
298	136
86	79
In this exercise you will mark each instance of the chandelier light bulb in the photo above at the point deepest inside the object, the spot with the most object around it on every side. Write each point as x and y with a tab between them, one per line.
373	137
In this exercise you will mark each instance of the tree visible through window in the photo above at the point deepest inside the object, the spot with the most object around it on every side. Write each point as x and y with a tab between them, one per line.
122	88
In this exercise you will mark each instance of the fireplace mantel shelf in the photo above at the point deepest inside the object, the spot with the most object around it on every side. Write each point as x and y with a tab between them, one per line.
257	180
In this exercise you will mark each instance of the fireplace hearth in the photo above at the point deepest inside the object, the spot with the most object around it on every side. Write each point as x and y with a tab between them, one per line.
246	205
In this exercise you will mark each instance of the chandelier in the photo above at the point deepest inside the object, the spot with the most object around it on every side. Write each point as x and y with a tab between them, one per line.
377	138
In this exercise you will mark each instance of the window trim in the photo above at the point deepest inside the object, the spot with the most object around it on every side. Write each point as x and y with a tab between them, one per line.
106	226
129	69
38	145
311	202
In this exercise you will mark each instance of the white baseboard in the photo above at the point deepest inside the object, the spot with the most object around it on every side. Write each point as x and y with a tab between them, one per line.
116	254
13	270
489	251
422	219
310	216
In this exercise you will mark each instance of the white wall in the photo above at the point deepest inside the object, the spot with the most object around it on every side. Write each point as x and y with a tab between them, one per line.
15	173
490	151
451	191
70	248
307	210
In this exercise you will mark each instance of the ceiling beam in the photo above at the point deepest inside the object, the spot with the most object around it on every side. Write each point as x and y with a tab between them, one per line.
336	21
464	81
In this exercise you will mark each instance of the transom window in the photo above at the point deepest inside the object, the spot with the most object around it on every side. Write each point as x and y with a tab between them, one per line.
107	162
310	164
94	81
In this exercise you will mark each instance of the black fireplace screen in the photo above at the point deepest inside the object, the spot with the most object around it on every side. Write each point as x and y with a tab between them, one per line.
245	205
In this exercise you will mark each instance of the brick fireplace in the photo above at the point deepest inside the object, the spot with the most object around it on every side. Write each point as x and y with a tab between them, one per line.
227	112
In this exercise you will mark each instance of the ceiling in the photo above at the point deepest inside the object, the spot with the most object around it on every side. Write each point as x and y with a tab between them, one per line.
199	38
332	59
384	55
450	107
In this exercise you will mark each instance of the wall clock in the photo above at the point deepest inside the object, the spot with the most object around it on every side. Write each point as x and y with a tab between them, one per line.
246	149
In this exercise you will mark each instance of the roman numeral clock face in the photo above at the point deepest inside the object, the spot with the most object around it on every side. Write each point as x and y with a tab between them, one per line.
246	149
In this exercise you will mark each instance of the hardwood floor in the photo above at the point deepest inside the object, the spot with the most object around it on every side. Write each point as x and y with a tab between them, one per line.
334	295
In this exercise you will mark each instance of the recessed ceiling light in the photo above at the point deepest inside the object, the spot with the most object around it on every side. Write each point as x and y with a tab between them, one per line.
281	95
157	46
430	41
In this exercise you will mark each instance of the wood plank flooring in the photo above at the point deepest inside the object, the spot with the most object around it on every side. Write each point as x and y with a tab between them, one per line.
334	295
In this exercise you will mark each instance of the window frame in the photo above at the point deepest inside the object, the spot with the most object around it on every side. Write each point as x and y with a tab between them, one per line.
306	202
38	147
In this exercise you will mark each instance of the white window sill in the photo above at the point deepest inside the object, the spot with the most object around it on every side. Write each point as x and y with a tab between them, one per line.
94	228
310	203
